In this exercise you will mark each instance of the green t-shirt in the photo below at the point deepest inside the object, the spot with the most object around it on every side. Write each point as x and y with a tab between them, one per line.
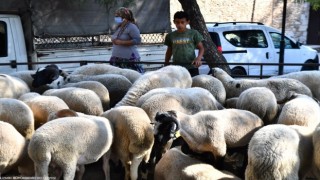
183	45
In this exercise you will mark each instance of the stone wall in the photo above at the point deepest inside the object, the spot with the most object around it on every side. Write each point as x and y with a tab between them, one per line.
268	12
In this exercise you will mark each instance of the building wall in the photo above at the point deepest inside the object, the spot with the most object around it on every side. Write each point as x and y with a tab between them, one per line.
268	12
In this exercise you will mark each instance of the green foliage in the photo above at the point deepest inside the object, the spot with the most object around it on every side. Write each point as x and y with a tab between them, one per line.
315	4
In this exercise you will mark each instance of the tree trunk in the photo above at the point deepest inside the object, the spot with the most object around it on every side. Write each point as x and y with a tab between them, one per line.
211	54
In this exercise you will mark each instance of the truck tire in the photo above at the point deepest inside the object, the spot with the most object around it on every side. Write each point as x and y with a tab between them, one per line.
309	68
238	71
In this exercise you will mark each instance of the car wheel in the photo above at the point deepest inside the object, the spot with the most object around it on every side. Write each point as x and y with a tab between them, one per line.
309	68
238	71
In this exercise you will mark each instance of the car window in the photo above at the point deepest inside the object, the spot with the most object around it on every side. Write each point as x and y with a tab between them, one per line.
246	38
3	39
215	38
276	38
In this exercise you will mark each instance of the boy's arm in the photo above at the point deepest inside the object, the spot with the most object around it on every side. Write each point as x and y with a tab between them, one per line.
197	62
168	56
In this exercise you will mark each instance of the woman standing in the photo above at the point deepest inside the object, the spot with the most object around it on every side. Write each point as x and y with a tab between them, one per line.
125	41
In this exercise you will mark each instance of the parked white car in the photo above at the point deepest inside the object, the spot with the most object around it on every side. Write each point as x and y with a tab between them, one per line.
249	42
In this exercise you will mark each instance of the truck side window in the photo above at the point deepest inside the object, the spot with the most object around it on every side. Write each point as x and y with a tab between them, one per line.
288	44
3	39
246	38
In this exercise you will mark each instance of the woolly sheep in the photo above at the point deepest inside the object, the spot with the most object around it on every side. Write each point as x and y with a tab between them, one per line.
96	69
69	141
261	101
168	76
212	84
316	152
211	131
301	110
133	137
18	114
97	87
13	147
116	84
189	100
231	103
280	152
279	86
78	99
309	78
26	76
12	87
177	165
42	106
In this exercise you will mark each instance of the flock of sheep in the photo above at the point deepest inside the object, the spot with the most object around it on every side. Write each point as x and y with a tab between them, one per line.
162	125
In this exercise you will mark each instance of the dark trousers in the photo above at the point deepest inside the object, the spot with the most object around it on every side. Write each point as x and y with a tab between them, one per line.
193	71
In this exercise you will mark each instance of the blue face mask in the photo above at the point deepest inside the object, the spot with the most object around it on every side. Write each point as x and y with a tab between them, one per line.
118	20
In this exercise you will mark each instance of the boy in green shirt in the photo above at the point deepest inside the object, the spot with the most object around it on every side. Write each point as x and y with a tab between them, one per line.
182	43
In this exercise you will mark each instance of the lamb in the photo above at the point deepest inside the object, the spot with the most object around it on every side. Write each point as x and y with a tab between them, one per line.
116	84
261	101
97	87
279	86
18	114
177	165
280	152
78	99
212	84
189	100
168	76
12	87
97	69
308	78
42	106
301	110
13	147
69	141
210	131
133	137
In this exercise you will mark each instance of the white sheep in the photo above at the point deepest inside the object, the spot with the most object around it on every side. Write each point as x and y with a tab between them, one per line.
96	69
97	87
18	114
316	152
78	99
309	78
13	147
231	103
212	84
68	142
116	84
12	87
187	100
279	86
177	165
168	76
210	131
280	152
42	106
261	101
133	137
301	110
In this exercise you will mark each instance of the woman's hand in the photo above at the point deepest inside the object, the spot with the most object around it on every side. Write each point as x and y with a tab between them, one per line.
116	41
197	62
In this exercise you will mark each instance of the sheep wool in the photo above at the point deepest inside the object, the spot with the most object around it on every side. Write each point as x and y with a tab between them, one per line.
18	114
187	100
13	147
177	165
168	76
133	137
78	99
67	142
212	84
261	101
301	110
279	86
97	69
280	152
12	87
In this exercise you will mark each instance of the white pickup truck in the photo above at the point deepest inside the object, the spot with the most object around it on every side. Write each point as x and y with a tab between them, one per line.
13	51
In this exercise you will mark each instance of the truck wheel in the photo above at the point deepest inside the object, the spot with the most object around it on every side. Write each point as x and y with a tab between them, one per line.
309	68
238	71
